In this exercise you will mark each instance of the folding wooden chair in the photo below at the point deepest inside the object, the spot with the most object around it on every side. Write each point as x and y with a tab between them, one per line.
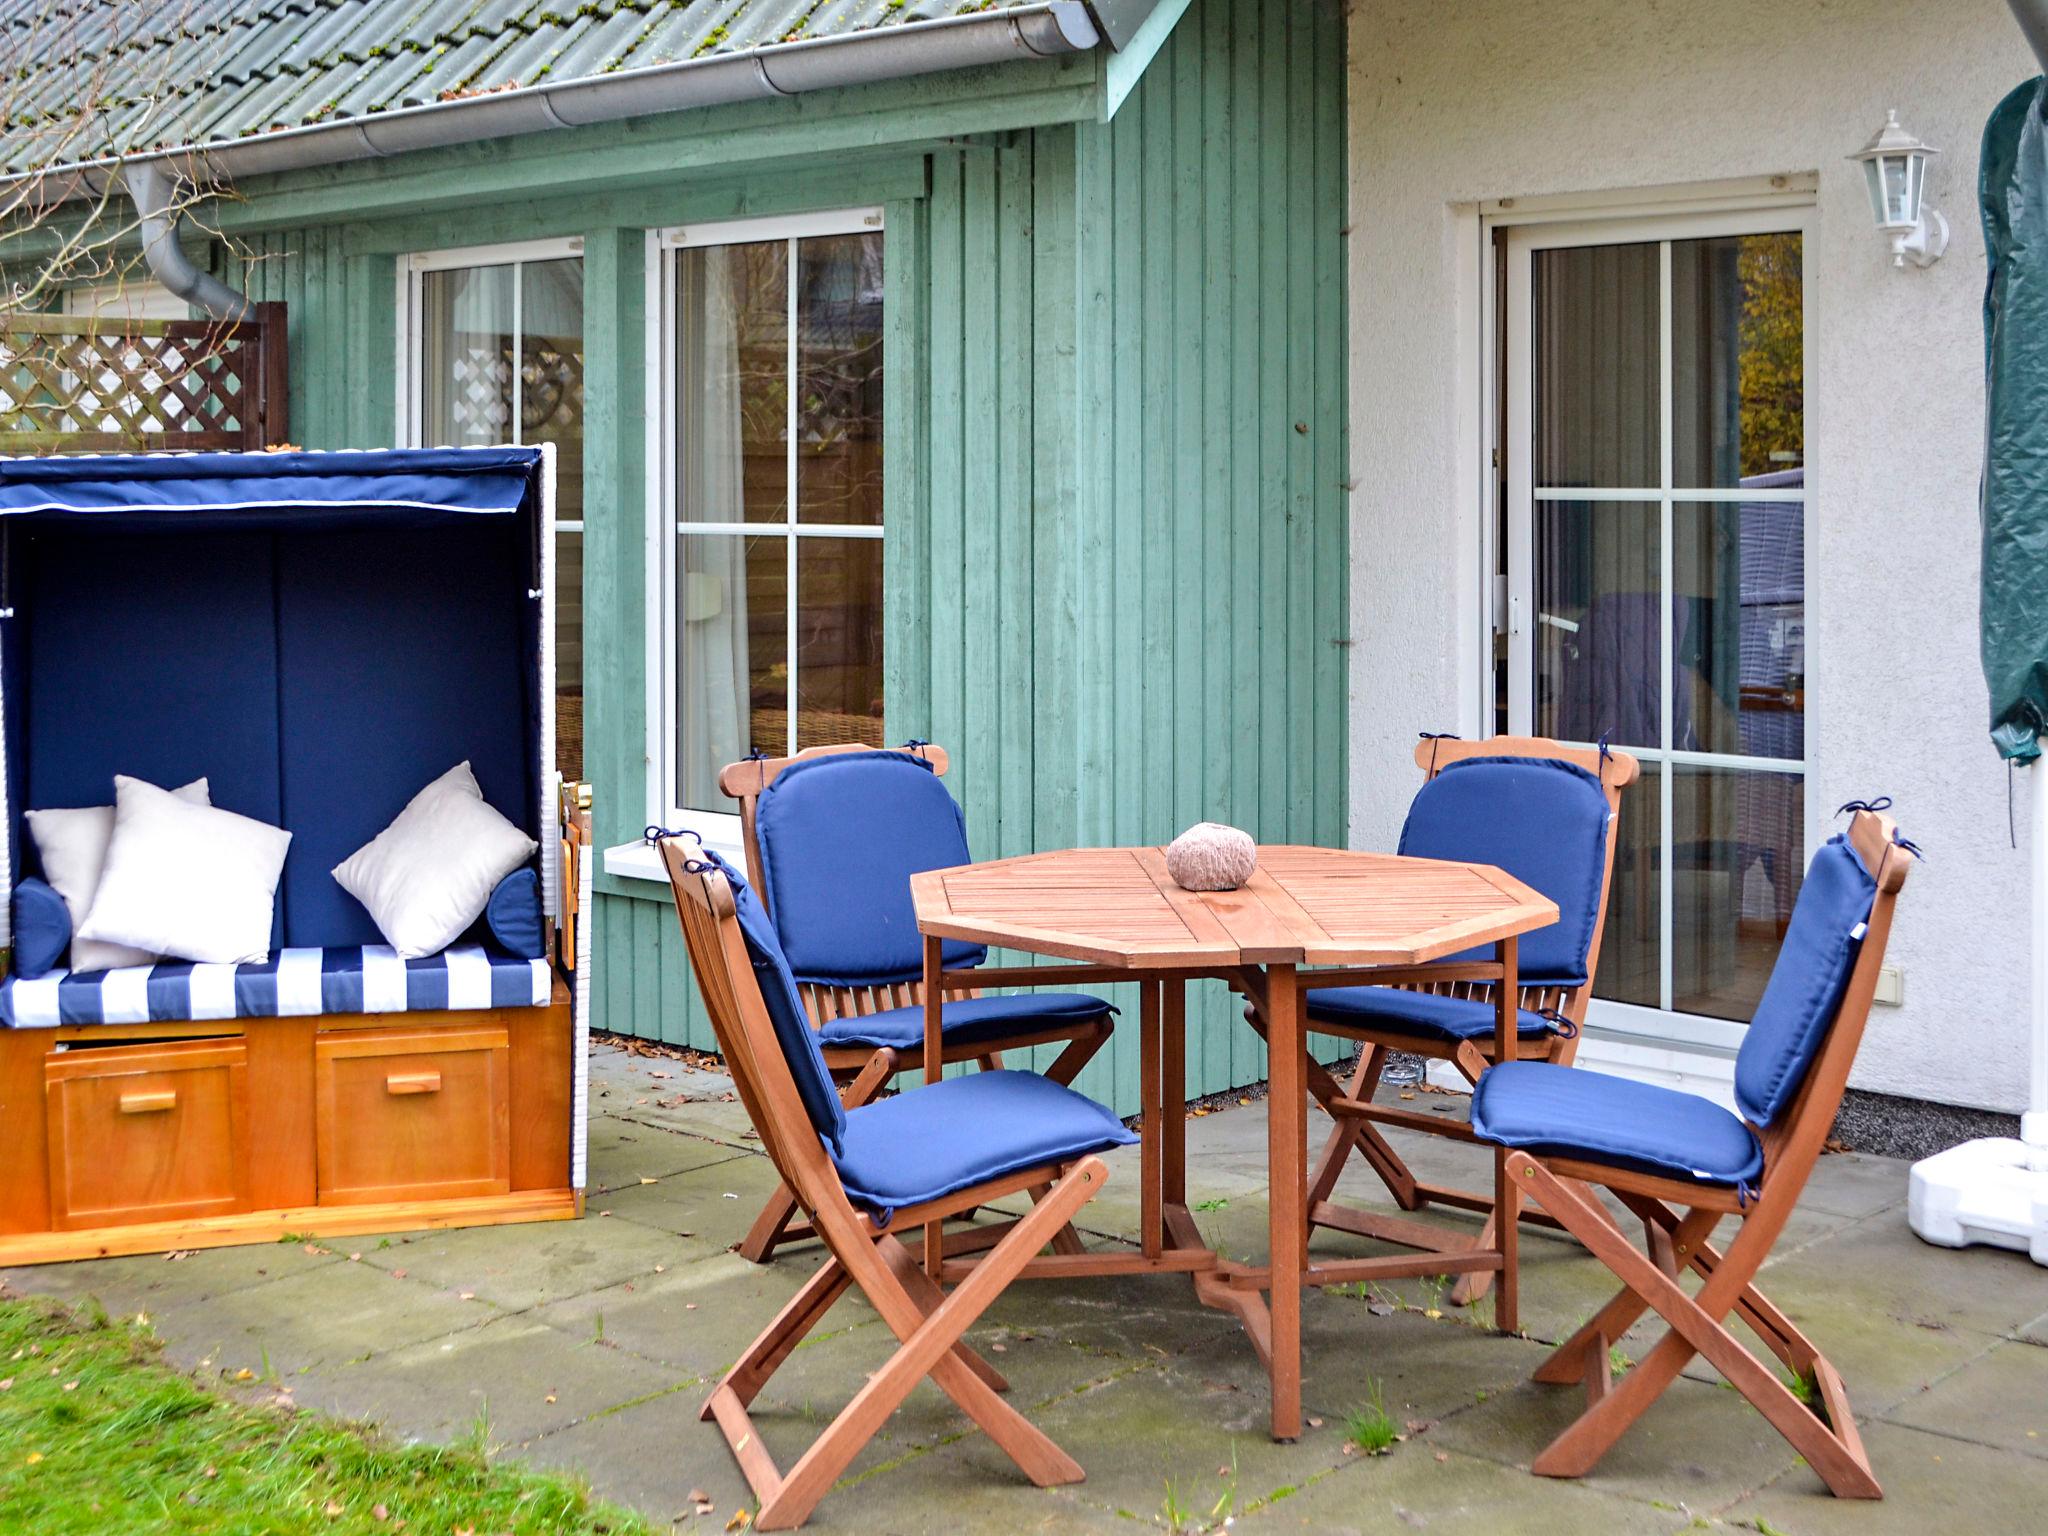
862	1173
1682	1163
832	837
1545	813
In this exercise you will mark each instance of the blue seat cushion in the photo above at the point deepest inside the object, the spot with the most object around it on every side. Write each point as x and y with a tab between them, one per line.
1804	993
292	983
1554	1111
1541	820
793	1030
967	1021
952	1135
840	837
1425	1015
42	929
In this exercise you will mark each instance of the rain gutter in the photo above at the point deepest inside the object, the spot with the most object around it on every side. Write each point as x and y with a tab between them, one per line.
1041	31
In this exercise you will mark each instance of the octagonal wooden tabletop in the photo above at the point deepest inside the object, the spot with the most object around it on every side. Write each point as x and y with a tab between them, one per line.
1302	906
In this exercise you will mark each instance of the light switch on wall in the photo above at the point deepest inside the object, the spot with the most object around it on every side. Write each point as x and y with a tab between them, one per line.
1891	986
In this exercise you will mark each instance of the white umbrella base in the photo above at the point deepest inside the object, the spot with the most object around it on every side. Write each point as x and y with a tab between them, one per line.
1981	1192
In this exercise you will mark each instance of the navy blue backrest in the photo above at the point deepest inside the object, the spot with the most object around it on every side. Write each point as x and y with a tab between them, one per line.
793	1030
153	656
1805	991
1541	820
840	837
317	677
400	653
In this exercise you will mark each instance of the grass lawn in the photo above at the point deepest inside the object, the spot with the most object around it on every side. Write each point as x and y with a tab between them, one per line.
97	1436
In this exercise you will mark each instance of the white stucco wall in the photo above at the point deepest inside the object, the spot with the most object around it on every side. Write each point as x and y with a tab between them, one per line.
1456	103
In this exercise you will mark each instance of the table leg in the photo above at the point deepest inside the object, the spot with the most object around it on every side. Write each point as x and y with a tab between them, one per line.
1507	1199
934	1068
1173	1071
1287	1193
1149	1222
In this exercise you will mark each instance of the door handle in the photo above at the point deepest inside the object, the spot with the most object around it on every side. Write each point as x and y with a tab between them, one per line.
413	1082
148	1101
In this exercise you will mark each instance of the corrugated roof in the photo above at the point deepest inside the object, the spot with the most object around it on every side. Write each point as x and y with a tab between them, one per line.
169	73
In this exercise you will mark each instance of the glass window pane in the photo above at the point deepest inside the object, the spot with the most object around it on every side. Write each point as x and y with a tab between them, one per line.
1737	863
1597	417
551	411
1628	943
732	402
1738	625
466	350
839	379
1598	644
732	657
1738	402
839	641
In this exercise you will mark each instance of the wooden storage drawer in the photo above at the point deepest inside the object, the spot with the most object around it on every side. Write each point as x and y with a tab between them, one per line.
412	1114
141	1133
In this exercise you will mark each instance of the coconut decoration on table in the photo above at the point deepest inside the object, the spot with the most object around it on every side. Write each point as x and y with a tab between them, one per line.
1211	857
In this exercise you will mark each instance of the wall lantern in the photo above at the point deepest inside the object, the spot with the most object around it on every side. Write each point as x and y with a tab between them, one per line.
1895	164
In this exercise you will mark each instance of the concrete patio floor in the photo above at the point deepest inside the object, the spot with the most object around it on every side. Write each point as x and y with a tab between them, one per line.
589	1346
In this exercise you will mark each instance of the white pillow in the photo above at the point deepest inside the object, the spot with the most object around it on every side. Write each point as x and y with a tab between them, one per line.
73	847
186	880
429	875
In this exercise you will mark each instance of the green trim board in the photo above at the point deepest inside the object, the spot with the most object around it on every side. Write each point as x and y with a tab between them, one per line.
1114	468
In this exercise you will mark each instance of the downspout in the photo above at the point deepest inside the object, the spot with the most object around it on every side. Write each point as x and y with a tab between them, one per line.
2032	15
154	190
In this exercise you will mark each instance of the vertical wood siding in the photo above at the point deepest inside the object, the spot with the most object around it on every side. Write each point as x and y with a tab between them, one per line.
1115	403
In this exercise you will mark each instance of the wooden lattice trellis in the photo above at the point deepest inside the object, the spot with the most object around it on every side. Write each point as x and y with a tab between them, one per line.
75	384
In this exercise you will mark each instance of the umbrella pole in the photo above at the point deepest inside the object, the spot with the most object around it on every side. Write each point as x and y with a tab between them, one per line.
2034	1123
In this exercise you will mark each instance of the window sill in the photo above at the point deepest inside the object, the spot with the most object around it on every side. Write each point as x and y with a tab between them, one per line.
639	860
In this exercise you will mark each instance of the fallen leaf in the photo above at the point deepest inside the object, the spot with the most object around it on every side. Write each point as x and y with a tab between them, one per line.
210	1472
1443	1455
661	1269
740	1521
645	1180
550	1397
689	1306
355	1258
332	1511
730	1195
34	1457
379	1512
70	1386
465	1295
7	1385
398	1274
1315	1423
245	1374
1000	1349
696	1496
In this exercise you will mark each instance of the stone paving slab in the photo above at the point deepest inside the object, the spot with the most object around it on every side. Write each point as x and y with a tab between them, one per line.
625	1318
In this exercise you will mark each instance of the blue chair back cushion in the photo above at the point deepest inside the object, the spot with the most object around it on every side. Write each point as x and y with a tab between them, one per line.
1806	986
952	1135
785	1009
42	929
840	838
1545	823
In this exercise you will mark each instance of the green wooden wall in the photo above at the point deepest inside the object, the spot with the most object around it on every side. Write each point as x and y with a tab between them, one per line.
1116	552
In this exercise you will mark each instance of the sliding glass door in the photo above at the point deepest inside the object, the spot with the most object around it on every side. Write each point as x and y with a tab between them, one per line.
1654	490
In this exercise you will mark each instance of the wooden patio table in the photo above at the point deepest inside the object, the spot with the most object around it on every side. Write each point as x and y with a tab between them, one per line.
1117	915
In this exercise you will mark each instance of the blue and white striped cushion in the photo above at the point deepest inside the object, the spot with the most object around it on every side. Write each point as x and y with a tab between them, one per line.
371	979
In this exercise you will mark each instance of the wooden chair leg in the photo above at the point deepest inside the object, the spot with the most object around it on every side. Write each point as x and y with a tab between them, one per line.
1079	1052
777	1224
1834	1450
1507	1226
928	1344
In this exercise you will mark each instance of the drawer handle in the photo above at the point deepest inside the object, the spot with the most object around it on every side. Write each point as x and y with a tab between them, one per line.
413	1082
153	1101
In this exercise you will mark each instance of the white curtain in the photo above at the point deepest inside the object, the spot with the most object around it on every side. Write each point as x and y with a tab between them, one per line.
467	347
713	675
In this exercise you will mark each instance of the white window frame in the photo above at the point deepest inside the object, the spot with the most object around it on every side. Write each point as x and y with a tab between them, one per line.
720	830
1780	205
411	321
